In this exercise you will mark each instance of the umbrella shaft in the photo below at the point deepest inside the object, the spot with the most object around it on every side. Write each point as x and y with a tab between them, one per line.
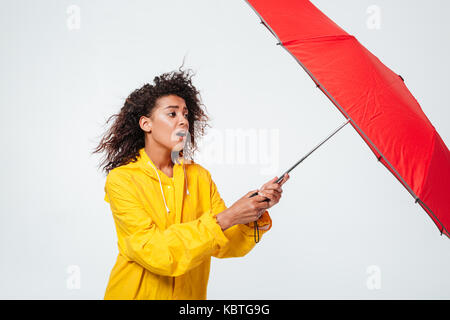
314	149
306	156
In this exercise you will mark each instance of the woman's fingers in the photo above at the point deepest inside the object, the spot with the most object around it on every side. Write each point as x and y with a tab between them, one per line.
250	193
285	178
271	191
274	187
273	196
269	183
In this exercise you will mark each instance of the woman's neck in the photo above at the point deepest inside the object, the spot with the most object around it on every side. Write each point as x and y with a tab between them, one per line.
161	157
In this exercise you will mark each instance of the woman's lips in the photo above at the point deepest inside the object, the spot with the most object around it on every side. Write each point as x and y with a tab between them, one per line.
182	135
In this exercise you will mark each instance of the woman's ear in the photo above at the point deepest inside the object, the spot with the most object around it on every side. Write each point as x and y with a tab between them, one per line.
146	124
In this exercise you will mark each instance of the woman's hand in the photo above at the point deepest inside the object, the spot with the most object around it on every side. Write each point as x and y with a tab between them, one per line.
273	190
243	211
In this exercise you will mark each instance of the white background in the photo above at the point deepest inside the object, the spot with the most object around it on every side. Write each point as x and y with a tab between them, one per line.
341	212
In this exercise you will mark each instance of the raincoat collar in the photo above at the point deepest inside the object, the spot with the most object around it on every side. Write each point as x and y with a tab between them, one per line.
179	180
144	160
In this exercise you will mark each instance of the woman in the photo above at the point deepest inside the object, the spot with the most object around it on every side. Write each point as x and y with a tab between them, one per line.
168	213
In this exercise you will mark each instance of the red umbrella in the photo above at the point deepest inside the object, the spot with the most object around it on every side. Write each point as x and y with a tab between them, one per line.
373	99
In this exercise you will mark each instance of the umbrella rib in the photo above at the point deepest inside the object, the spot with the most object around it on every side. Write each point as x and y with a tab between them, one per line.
357	128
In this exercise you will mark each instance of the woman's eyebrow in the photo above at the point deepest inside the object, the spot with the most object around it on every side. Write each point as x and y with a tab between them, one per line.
176	107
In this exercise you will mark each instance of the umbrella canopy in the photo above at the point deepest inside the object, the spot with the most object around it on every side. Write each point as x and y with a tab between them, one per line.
373	98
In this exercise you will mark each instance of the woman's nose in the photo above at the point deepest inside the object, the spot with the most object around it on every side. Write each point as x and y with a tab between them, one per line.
182	121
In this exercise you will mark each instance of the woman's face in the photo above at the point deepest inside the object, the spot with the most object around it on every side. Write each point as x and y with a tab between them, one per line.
169	117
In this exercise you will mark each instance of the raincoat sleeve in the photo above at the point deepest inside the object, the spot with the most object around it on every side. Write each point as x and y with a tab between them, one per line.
169	252
240	236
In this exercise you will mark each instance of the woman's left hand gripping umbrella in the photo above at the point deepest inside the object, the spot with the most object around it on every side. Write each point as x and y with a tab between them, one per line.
273	190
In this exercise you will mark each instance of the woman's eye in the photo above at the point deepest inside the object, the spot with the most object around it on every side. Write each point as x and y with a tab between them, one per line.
174	114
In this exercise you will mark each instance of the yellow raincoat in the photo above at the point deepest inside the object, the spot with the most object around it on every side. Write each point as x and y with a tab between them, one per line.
167	230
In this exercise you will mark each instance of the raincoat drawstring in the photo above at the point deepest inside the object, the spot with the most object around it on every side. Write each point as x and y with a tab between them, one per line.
162	192
160	184
185	180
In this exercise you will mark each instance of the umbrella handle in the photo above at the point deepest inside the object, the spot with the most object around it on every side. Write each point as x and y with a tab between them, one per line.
255	224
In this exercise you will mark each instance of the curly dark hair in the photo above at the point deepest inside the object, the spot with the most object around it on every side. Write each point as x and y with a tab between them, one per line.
125	137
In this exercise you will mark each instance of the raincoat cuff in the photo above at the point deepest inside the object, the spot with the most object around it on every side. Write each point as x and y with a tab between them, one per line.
264	221
210	221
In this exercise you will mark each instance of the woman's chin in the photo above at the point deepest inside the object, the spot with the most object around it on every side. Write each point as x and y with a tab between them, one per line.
178	147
